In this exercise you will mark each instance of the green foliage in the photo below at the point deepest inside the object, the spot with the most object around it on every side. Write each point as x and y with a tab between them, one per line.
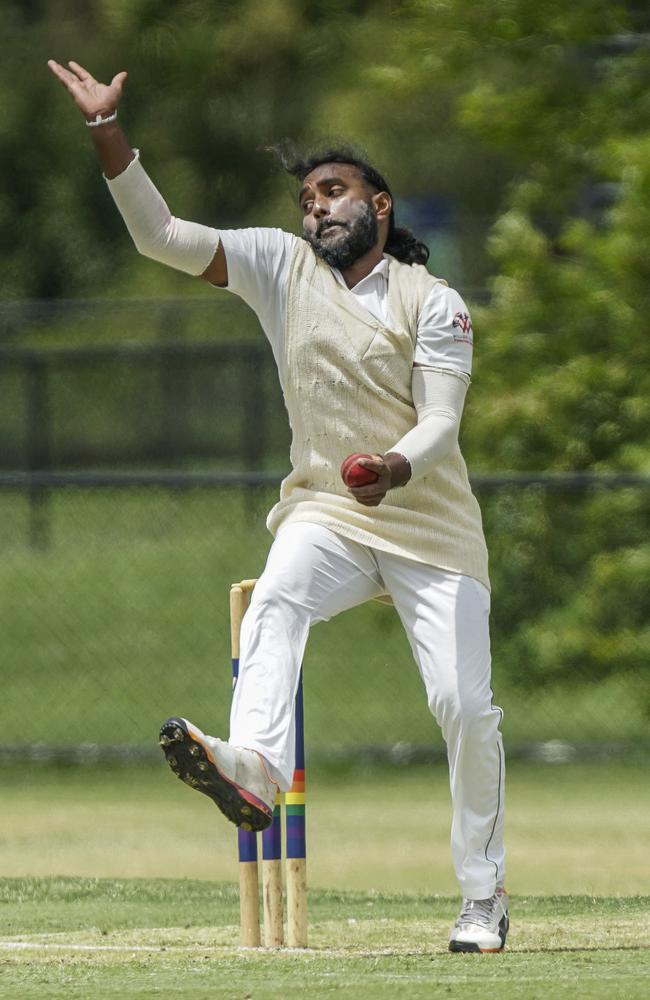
563	384
210	84
515	110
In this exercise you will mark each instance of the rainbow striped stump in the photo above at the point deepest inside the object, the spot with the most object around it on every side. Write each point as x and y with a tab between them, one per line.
294	806
292	803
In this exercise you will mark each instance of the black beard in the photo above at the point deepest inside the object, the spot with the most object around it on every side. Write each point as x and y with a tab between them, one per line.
360	238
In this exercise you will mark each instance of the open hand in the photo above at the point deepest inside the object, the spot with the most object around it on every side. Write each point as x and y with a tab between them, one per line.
89	95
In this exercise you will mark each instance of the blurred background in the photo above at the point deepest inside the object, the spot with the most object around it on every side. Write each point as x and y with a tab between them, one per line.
142	431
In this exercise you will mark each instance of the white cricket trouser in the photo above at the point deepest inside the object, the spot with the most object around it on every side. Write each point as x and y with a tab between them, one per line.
311	575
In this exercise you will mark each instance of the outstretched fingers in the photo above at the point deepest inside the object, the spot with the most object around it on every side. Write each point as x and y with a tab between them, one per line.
81	73
60	72
68	79
88	94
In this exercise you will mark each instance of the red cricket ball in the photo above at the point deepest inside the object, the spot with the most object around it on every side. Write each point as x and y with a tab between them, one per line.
354	474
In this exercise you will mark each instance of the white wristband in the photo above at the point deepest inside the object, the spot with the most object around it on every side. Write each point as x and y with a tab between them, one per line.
186	246
98	120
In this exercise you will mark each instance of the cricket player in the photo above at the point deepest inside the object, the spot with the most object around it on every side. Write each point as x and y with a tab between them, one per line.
374	356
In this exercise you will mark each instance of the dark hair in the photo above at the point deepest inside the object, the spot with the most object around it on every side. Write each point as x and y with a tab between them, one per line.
401	243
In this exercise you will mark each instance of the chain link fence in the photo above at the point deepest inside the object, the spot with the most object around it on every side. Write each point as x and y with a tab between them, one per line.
134	483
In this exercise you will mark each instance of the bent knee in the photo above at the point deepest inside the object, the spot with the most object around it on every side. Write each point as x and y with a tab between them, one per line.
452	709
286	599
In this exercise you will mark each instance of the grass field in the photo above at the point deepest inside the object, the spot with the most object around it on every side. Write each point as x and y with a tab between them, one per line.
119	883
382	830
95	939
123	621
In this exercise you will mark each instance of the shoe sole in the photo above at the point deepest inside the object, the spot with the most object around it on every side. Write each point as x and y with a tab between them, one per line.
471	948
192	762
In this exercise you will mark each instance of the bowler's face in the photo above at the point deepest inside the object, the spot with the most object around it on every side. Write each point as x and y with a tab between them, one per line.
332	198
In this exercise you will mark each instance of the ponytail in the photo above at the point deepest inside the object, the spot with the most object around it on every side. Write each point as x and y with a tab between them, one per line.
404	246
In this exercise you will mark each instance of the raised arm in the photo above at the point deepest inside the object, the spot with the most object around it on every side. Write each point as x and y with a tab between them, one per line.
186	246
98	99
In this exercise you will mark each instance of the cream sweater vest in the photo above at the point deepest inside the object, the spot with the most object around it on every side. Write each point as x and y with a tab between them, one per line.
348	388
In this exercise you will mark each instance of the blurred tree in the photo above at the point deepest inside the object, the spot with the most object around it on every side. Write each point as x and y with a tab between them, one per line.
453	99
531	116
210	85
563	377
535	116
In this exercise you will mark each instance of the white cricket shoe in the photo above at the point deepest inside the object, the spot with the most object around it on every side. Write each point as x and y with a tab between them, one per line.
235	779
482	924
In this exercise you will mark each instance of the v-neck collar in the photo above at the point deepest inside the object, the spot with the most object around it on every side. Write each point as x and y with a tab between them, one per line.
380	268
352	301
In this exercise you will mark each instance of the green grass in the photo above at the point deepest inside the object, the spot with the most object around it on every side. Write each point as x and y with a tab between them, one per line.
123	620
119	882
108	938
570	828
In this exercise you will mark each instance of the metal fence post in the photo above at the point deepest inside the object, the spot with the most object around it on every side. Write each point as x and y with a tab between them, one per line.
254	437
38	446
